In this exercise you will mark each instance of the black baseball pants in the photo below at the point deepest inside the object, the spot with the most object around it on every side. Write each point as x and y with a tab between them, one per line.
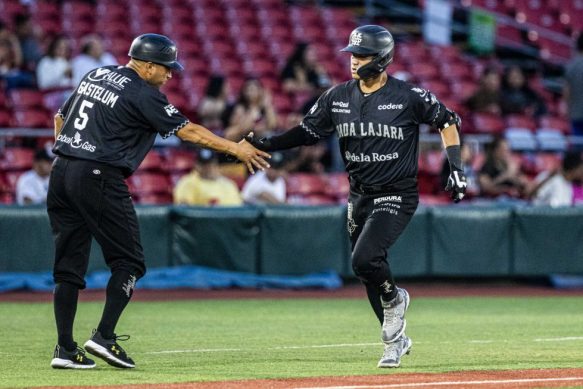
375	222
86	199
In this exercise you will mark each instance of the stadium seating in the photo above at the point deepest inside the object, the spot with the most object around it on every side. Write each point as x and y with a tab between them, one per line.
245	38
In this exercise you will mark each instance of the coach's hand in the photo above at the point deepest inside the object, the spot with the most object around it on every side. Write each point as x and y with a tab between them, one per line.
251	156
457	185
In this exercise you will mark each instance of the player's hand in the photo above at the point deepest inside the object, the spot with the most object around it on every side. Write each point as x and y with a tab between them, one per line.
457	185
251	156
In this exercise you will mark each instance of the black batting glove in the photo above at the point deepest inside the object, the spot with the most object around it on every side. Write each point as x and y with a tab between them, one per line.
457	185
261	144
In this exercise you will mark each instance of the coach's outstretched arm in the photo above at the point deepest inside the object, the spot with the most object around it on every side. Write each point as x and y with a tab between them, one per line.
456	182
244	151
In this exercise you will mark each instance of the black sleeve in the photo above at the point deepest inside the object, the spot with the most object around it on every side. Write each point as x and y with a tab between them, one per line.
431	111
318	121
161	115
294	137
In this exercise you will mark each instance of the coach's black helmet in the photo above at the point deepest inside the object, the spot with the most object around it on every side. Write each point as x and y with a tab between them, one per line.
372	40
157	49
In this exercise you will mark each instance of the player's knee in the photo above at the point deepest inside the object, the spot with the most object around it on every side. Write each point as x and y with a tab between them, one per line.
362	266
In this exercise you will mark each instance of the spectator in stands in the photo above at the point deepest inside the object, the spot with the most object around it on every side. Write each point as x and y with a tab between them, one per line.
206	186
559	188
253	109
212	107
573	89
32	186
11	61
500	175
473	188
302	71
92	56
54	74
310	159
54	69
27	35
487	97
517	97
267	187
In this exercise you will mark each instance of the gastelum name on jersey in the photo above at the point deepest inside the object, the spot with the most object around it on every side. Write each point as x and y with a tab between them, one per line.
98	93
373	157
370	129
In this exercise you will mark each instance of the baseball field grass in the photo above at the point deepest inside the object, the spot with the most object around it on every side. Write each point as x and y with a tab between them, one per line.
215	340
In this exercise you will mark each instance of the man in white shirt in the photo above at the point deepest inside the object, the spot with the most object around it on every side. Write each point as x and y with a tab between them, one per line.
92	56
267	187
557	190
32	186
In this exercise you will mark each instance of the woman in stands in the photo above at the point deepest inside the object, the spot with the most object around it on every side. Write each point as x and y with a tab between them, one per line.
253	109
501	175
212	107
302	72
517	97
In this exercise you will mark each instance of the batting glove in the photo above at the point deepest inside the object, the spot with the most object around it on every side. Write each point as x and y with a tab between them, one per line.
457	185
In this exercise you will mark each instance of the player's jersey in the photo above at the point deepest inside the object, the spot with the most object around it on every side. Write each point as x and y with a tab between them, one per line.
378	132
113	117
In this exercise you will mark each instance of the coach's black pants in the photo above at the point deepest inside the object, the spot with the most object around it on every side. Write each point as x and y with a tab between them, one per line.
375	221
88	199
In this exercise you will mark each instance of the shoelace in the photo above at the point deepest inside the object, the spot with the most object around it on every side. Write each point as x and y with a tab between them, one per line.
81	352
123	338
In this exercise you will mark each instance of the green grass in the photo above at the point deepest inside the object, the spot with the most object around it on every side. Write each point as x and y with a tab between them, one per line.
275	339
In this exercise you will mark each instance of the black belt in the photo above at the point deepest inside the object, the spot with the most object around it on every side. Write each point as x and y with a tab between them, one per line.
113	169
403	185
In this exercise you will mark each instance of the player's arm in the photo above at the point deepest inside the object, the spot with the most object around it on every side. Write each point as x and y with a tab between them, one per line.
449	130
244	151
316	125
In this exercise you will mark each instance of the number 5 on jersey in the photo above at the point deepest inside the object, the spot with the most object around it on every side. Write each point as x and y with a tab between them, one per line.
81	121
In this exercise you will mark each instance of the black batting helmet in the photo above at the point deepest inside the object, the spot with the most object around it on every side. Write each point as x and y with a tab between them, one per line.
157	49
372	40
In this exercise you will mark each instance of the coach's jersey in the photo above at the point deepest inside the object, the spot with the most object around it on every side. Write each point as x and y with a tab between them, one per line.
113	117
378	132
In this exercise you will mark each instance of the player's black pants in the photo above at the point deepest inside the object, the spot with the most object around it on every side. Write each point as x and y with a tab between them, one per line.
88	199
375	222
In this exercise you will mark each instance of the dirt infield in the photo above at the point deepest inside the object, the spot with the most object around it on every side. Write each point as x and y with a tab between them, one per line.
547	378
351	291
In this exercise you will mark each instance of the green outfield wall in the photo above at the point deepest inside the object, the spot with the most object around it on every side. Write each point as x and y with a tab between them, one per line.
291	240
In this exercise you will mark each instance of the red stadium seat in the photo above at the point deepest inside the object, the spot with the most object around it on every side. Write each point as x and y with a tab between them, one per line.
26	98
155	198
32	118
148	183
555	123
305	184
152	162
5	119
520	121
337	185
486	123
16	158
178	160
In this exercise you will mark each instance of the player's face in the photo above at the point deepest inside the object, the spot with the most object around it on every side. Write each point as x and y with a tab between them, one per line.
158	74
356	61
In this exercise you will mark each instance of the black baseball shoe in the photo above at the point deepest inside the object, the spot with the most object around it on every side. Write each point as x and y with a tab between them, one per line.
63	359
109	350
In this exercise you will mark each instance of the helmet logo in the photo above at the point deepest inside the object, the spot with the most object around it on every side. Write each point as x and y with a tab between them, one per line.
356	39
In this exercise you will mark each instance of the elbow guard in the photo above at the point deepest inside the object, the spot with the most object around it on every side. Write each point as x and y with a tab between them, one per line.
450	119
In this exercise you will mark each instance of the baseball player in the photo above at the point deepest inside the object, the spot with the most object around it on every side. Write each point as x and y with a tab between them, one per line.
377	120
103	132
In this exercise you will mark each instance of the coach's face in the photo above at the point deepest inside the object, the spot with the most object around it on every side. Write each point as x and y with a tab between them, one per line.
157	74
356	61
